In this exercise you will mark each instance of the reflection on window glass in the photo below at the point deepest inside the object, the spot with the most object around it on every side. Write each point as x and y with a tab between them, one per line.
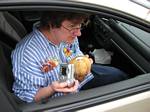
144	3
138	33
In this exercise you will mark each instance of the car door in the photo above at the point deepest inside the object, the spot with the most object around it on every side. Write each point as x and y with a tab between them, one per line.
126	47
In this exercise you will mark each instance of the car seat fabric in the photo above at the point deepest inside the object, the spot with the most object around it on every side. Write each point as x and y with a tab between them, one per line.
6	80
11	31
11	26
14	30
6	77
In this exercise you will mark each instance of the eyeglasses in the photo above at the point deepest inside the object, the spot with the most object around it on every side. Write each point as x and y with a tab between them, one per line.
73	29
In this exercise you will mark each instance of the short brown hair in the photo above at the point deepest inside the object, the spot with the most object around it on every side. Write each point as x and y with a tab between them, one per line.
55	18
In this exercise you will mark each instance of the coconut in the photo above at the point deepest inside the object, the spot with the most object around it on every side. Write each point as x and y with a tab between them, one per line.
82	66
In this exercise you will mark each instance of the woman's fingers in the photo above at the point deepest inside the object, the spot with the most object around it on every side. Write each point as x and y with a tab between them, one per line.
87	55
91	60
62	87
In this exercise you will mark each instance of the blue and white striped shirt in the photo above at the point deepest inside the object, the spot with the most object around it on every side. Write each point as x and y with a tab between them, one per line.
28	58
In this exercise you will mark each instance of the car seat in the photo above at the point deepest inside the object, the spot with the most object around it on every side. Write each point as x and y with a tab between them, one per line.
11	31
8	100
11	26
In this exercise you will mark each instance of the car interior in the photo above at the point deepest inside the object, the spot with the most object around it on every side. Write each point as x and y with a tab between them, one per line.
128	53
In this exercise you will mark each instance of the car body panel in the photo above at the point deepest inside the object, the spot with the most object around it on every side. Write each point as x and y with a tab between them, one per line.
121	5
135	103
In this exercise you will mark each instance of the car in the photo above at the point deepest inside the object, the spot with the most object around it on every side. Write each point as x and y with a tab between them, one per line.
117	34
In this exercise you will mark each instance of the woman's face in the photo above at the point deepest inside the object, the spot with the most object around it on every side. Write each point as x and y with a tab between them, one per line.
68	31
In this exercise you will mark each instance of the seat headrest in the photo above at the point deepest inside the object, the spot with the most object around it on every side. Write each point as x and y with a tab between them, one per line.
12	26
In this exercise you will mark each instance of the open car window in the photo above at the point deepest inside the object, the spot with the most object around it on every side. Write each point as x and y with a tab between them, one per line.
144	3
124	38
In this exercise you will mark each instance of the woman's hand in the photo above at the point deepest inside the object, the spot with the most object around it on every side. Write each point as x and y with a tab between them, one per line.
91	60
55	87
63	87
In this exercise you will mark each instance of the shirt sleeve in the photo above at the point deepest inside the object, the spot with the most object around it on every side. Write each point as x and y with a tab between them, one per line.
24	89
28	76
89	77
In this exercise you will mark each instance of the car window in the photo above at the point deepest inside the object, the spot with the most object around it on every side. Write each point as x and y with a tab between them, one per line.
144	3
138	33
